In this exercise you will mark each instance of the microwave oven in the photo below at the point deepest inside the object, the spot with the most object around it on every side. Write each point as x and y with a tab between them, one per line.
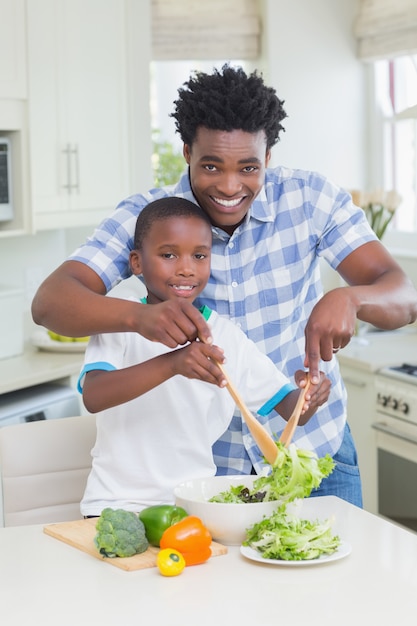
6	205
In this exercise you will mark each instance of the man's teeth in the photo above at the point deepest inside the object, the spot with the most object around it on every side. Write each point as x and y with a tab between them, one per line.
227	203
183	287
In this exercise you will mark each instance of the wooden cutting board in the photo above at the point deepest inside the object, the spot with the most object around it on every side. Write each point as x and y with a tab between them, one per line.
81	533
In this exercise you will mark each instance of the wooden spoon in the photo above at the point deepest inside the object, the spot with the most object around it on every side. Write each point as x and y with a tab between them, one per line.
266	444
288	432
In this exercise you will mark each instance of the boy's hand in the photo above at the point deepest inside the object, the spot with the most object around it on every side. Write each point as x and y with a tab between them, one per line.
197	360
317	394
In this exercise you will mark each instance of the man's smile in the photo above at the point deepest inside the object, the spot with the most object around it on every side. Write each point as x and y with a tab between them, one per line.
228	203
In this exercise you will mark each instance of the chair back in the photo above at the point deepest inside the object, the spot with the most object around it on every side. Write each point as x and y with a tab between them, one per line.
43	469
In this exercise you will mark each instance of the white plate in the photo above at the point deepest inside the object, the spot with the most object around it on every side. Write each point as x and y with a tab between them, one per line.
40	339
343	550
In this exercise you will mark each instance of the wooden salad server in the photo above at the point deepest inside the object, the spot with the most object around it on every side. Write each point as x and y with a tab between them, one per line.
288	432
266	443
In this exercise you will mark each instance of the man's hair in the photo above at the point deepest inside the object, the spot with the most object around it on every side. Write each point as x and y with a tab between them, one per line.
228	100
163	209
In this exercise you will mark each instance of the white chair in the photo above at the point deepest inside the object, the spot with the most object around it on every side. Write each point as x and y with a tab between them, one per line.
43	469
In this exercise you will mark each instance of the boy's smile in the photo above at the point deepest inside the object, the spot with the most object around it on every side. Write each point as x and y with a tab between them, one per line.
175	258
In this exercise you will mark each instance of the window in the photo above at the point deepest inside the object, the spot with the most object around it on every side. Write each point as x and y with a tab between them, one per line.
166	78
396	100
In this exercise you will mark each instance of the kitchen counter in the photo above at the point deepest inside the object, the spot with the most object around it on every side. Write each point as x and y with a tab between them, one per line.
373	350
35	367
45	581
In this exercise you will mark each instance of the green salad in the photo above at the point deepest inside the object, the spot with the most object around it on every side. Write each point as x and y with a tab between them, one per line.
291	539
295	473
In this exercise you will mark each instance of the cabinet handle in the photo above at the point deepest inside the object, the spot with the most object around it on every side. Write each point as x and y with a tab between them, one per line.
354	381
67	152
73	168
76	184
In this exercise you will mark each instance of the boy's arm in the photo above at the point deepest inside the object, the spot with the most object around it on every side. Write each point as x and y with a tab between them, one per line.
105	389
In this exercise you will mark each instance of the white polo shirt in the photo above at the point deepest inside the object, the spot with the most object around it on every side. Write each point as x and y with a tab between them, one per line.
148	445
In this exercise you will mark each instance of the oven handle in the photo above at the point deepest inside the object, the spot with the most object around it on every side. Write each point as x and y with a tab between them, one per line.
383	428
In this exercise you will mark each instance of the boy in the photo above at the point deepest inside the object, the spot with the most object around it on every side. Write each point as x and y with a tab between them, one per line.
159	417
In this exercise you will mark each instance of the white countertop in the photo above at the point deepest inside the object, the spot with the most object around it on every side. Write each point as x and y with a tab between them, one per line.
374	350
47	582
35	367
370	352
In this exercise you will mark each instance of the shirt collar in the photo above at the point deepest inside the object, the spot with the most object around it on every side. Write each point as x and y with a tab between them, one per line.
204	309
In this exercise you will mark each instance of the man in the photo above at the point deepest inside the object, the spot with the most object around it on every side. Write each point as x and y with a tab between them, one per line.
270	227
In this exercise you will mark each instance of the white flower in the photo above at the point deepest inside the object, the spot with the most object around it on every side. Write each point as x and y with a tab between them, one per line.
379	207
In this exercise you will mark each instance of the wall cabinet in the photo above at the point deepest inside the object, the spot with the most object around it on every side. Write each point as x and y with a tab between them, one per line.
13	112
78	116
12	50
361	411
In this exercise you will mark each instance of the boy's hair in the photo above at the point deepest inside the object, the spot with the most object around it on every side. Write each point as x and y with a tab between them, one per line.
162	209
228	100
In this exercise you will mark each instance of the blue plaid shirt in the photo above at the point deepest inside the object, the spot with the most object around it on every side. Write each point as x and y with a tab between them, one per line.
265	277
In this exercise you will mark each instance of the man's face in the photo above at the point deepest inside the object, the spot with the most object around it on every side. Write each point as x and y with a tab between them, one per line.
227	171
174	259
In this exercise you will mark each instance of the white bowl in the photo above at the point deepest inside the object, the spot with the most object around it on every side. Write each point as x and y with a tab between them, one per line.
227	523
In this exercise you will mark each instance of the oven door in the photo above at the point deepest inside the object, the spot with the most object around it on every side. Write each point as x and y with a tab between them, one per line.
396	442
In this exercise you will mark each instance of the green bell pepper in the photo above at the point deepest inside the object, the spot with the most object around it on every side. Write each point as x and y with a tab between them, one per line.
158	518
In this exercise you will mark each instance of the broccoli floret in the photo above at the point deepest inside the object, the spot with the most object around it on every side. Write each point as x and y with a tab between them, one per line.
120	533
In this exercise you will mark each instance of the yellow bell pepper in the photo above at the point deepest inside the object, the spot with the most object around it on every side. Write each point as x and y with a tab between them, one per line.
170	562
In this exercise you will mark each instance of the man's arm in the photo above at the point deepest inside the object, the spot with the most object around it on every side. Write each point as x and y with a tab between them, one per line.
378	292
72	302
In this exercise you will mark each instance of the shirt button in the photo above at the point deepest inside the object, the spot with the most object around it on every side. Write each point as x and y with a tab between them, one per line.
234	284
231	244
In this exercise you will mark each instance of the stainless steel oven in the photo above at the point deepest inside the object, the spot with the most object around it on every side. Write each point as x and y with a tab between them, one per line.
396	443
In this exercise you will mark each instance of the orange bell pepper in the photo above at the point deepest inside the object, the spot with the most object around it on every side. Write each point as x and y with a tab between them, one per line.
191	538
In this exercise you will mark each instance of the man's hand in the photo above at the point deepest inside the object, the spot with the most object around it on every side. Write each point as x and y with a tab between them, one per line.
173	323
330	327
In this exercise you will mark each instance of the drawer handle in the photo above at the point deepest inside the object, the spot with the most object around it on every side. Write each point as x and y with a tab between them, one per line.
383	428
354	381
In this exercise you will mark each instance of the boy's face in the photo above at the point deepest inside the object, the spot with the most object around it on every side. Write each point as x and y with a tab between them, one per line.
174	259
227	171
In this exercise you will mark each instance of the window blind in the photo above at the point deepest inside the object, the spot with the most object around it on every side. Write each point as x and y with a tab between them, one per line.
386	28
201	30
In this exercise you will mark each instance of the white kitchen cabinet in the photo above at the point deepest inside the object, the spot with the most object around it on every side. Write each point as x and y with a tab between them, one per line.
13	112
78	111
361	413
12	50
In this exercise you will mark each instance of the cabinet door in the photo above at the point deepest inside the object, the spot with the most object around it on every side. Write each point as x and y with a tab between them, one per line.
78	110
46	122
12	50
94	67
361	413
